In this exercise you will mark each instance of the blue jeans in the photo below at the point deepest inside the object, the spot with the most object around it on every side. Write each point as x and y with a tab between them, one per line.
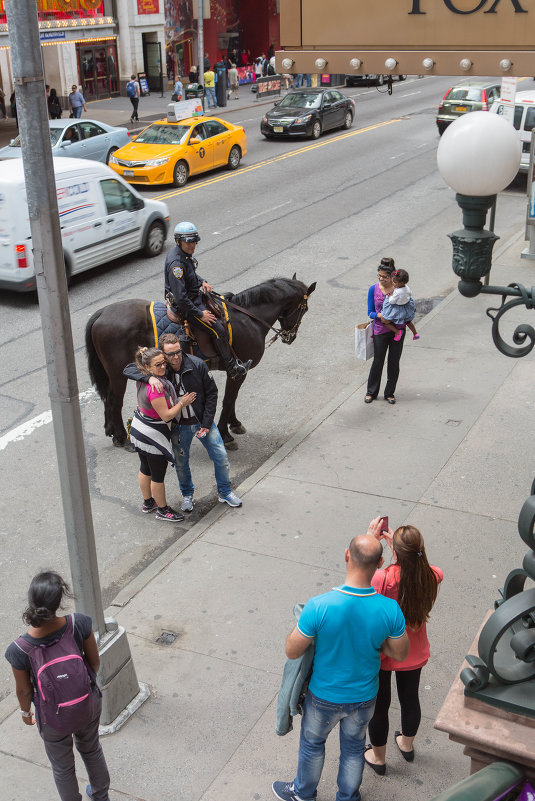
210	93
181	437
319	719
77	111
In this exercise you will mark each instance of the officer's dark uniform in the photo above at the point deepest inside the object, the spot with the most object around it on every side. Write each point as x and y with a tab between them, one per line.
183	282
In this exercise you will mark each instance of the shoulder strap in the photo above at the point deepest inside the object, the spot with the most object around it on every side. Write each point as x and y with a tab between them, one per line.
27	647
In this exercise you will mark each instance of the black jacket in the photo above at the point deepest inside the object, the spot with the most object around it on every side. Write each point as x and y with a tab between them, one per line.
196	378
182	281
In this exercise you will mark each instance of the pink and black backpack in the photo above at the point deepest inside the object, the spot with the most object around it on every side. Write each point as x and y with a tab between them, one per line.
63	696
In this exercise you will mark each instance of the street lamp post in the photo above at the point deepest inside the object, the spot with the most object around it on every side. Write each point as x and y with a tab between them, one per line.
478	156
122	694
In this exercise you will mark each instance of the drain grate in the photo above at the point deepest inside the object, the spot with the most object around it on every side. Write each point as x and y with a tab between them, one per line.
167	638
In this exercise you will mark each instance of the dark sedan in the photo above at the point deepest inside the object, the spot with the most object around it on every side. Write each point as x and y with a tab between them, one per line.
308	112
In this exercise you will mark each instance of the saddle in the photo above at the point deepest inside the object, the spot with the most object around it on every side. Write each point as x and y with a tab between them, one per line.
197	334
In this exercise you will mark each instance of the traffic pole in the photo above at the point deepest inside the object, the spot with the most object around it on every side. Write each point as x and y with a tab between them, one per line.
117	676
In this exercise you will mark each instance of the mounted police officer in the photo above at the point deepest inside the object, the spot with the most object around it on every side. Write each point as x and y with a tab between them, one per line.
185	288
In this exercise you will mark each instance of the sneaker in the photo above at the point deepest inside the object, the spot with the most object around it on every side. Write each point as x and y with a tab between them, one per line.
232	499
416	336
285	791
89	792
187	504
149	506
168	514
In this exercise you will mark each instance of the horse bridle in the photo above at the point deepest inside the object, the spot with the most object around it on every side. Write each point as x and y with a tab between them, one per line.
289	334
283	333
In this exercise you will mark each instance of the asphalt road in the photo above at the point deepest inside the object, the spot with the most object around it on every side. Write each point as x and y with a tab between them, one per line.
327	210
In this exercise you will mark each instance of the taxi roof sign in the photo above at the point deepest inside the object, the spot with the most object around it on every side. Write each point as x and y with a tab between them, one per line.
183	110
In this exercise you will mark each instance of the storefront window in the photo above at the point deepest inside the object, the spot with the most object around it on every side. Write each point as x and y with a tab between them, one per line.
98	70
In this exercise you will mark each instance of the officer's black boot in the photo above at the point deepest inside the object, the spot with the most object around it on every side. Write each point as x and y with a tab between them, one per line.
233	366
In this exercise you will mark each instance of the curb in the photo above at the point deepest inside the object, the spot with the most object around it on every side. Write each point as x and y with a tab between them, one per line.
165	558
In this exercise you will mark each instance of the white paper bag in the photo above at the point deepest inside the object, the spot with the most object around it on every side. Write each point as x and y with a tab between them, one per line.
364	341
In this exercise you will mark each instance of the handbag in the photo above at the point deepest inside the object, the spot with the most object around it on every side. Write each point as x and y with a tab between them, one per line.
174	97
364	340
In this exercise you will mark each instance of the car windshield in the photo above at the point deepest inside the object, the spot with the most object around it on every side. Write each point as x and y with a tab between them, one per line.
466	93
164	135
301	100
55	134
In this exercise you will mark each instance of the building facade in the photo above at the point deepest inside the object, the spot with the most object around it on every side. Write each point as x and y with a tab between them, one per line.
96	44
229	26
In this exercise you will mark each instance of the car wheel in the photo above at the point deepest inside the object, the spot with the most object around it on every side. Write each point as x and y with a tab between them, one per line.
154	241
316	130
349	82
67	263
380	80
268	136
441	129
234	157
111	151
348	120
180	174
402	77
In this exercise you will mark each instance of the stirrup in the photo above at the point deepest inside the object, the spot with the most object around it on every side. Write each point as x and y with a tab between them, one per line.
237	369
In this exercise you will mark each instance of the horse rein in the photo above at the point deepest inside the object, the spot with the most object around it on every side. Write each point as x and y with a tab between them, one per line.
281	332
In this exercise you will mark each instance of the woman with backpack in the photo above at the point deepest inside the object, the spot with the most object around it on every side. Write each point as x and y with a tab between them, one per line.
65	710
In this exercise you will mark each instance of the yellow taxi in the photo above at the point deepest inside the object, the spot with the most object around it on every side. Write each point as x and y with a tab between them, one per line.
168	152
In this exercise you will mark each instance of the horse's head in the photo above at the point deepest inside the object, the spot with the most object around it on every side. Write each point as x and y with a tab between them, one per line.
290	319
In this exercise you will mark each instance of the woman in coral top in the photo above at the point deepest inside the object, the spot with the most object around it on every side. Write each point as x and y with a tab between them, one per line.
413	583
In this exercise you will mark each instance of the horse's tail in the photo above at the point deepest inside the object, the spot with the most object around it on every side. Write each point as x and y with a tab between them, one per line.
97	373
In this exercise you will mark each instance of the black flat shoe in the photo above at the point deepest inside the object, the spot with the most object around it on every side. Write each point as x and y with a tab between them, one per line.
408	756
369	399
391	400
379	769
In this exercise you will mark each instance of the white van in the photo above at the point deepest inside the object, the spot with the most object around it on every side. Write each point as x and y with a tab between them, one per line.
524	121
101	218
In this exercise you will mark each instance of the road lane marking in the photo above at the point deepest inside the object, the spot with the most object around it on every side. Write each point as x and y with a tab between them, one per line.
419	92
26	429
275	159
253	217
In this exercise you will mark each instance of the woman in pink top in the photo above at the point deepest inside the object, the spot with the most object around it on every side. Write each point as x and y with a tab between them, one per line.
413	583
150	433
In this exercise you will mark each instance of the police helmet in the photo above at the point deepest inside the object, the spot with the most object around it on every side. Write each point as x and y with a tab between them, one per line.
186	232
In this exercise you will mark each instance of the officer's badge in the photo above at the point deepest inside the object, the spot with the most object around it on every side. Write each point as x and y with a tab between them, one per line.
178	271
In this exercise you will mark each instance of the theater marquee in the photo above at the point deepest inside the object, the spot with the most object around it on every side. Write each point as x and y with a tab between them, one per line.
436	37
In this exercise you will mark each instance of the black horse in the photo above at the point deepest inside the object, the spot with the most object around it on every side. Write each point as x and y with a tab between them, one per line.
114	333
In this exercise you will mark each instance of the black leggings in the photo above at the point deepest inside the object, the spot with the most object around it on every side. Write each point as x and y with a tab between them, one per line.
384	344
407	682
153	465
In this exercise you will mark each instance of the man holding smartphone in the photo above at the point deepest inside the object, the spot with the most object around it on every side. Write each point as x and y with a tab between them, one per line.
189	374
350	627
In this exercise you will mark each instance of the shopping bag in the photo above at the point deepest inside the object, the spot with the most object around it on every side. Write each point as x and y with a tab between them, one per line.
364	340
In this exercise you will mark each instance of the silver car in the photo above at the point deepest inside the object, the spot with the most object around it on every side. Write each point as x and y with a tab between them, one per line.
79	139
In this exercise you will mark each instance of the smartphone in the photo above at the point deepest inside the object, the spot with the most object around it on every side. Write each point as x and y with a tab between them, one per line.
202	436
384	524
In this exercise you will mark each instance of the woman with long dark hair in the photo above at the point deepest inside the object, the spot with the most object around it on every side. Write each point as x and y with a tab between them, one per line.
150	433
45	596
385	345
413	583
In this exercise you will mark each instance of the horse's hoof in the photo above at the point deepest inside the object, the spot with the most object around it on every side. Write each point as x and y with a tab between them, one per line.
231	445
239	429
129	447
118	443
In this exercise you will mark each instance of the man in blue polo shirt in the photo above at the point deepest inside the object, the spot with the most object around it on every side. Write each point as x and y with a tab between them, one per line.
350	626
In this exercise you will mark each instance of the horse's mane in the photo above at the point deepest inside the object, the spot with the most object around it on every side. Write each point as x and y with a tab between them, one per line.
266	292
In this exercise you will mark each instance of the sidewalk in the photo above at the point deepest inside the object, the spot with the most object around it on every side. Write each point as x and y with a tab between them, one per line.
450	457
117	111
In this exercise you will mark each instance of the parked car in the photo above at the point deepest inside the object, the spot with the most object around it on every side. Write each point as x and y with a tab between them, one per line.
101	218
168	152
524	121
81	139
464	97
378	80
308	112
